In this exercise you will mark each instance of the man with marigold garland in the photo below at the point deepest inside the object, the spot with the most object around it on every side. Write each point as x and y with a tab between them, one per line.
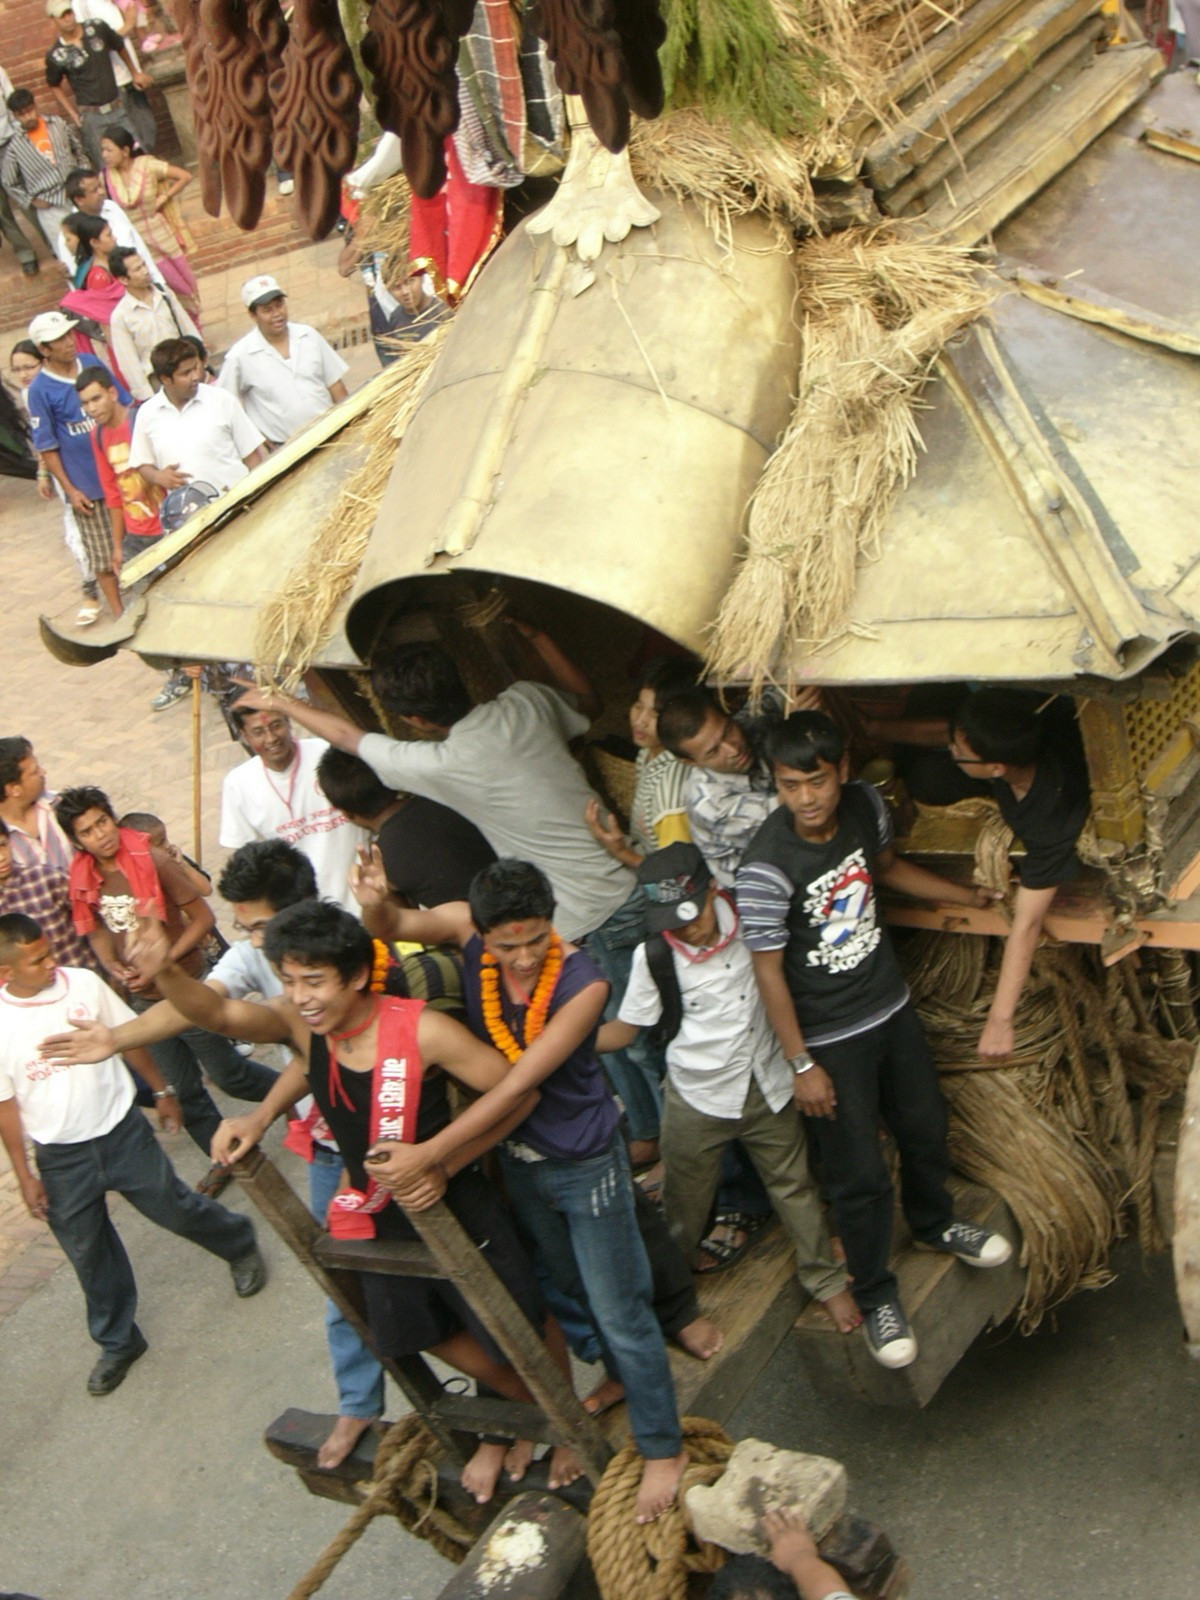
539	1000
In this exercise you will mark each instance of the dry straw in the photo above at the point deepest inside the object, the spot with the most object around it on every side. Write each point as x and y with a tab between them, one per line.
878	309
297	620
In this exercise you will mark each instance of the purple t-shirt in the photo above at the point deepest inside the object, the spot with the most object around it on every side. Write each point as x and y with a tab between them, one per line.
577	1115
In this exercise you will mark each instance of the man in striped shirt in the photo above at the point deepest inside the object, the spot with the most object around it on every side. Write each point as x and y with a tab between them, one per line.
41	892
839	1004
37	160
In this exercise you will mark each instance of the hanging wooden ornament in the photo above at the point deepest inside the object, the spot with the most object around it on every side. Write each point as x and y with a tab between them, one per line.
316	112
227	72
411	51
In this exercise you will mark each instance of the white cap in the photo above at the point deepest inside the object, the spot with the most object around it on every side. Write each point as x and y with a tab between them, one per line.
50	325
55	8
256	290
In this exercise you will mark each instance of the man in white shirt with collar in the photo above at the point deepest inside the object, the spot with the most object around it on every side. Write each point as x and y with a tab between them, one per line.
142	320
85	191
190	431
277	795
284	373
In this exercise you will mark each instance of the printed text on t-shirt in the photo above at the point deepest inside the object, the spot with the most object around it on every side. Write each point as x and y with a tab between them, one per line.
841	905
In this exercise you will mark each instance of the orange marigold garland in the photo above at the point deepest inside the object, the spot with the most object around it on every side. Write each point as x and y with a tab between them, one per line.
502	1035
379	966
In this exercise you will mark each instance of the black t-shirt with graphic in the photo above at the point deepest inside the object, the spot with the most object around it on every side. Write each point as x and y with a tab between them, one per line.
816	902
1048	821
86	66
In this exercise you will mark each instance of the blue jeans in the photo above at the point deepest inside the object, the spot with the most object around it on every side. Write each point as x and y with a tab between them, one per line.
580	1216
358	1375
637	1071
128	1160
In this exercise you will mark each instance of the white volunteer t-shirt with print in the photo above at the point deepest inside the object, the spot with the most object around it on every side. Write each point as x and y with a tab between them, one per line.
60	1103
257	803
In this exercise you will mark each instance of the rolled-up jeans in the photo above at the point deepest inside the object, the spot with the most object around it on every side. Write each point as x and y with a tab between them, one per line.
358	1375
637	1071
580	1218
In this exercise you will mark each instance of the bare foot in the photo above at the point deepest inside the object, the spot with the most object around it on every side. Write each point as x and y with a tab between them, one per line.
701	1338
843	1308
660	1482
516	1462
481	1473
343	1436
604	1397
643	1152
565	1467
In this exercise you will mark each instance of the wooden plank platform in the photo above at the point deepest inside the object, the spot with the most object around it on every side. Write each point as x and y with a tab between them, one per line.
948	1304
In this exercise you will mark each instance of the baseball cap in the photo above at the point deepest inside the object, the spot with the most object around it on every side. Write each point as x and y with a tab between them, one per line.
674	882
257	291
50	325
55	8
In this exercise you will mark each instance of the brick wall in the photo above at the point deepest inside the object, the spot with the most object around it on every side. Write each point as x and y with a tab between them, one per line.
26	33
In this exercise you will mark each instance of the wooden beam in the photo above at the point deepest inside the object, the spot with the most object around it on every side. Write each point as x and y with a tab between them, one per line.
395	1257
1078	299
300	1231
552	1538
464	1267
995	118
1174	144
1162	931
933	63
1039	149
979	81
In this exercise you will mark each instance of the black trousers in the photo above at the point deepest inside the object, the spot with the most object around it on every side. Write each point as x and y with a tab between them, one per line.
885	1074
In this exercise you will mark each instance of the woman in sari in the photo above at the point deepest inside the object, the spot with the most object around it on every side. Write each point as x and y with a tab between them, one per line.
147	188
95	293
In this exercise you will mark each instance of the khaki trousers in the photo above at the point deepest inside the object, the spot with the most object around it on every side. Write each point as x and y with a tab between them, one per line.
692	1145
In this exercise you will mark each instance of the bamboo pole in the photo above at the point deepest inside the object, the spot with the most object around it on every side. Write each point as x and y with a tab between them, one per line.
197	693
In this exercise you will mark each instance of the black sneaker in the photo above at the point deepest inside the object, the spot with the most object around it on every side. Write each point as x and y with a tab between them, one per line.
978	1247
889	1336
109	1372
249	1273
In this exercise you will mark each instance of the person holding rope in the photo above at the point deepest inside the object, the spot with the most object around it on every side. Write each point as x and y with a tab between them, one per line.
377	1067
539	999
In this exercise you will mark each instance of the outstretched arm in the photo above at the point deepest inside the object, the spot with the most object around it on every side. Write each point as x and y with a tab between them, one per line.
1029	914
237	1136
908	878
328	725
564	674
794	1551
207	1007
386	918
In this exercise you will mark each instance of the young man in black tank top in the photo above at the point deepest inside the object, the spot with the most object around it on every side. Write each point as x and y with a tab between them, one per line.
338	1028
838	1002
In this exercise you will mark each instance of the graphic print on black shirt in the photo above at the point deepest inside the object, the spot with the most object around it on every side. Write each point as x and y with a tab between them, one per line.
840	904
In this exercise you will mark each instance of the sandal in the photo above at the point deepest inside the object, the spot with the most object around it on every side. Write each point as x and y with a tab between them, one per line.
724	1252
88	613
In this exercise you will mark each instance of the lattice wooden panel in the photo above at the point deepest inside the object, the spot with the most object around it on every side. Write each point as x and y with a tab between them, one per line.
1151	725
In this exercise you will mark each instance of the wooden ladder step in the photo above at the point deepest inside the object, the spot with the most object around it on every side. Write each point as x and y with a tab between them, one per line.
949	1305
400	1258
508	1419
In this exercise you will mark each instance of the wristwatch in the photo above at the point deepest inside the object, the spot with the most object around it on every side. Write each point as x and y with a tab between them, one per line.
168	1090
802	1062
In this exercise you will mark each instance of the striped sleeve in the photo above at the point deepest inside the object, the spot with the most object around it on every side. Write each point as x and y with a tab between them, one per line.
883	815
764	897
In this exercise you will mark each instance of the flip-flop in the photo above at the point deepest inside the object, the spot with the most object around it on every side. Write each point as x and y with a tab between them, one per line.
725	1254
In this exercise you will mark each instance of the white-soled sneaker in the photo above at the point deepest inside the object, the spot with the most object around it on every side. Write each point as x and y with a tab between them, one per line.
889	1336
978	1247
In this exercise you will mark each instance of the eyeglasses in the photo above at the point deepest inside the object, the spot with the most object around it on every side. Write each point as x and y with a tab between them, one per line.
965	761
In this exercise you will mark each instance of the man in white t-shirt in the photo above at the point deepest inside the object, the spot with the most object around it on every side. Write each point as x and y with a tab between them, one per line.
89	1138
191	431
284	373
277	795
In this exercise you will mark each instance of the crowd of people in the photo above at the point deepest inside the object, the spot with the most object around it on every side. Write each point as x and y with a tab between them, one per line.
697	1022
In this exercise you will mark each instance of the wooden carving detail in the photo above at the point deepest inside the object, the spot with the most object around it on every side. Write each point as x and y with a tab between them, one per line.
271	29
187	16
316	112
227	72
606	52
411	50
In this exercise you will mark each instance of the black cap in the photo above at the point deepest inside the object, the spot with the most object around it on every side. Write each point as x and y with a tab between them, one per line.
674	882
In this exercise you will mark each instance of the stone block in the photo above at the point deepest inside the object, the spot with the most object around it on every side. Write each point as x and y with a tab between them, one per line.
760	1478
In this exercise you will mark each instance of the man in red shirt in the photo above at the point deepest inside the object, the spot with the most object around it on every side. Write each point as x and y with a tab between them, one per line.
132	502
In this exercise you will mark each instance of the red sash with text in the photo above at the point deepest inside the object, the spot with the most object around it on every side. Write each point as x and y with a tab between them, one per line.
395	1101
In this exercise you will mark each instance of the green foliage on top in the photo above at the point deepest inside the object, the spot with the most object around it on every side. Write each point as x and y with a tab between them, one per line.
732	58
